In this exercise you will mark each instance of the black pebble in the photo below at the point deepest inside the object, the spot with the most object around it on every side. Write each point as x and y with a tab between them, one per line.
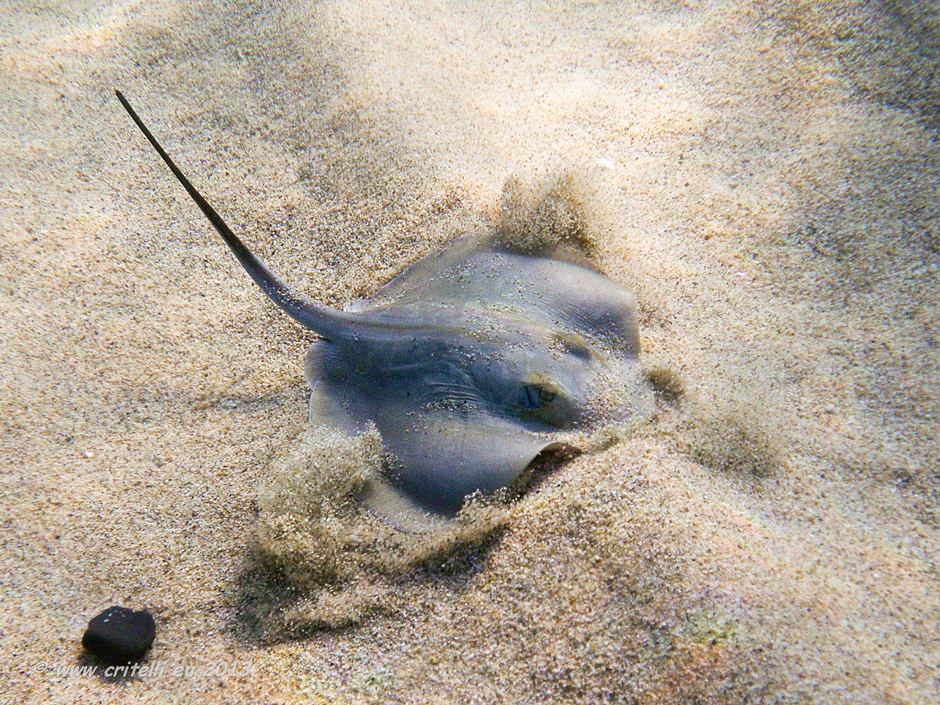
119	635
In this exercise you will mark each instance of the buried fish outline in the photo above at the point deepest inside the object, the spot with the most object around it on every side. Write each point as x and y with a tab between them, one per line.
470	363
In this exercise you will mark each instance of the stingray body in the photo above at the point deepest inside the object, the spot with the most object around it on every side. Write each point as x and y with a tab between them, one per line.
470	364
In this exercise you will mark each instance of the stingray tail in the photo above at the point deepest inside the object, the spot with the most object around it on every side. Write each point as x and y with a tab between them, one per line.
324	321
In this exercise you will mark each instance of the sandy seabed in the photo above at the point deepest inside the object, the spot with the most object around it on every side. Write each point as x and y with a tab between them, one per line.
773	173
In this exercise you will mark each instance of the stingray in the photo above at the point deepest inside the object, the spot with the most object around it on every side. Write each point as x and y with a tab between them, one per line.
471	363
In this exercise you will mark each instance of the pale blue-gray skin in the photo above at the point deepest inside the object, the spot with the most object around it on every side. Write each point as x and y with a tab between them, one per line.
469	364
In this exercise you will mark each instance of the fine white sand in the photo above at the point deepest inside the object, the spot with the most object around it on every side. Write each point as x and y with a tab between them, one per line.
773	175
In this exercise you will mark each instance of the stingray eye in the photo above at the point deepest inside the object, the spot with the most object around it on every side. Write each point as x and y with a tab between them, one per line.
530	396
535	396
544	399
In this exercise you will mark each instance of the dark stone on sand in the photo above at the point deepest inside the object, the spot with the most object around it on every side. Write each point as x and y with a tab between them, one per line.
119	634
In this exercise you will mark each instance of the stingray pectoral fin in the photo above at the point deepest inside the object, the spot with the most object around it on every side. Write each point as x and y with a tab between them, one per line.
437	463
398	508
333	404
